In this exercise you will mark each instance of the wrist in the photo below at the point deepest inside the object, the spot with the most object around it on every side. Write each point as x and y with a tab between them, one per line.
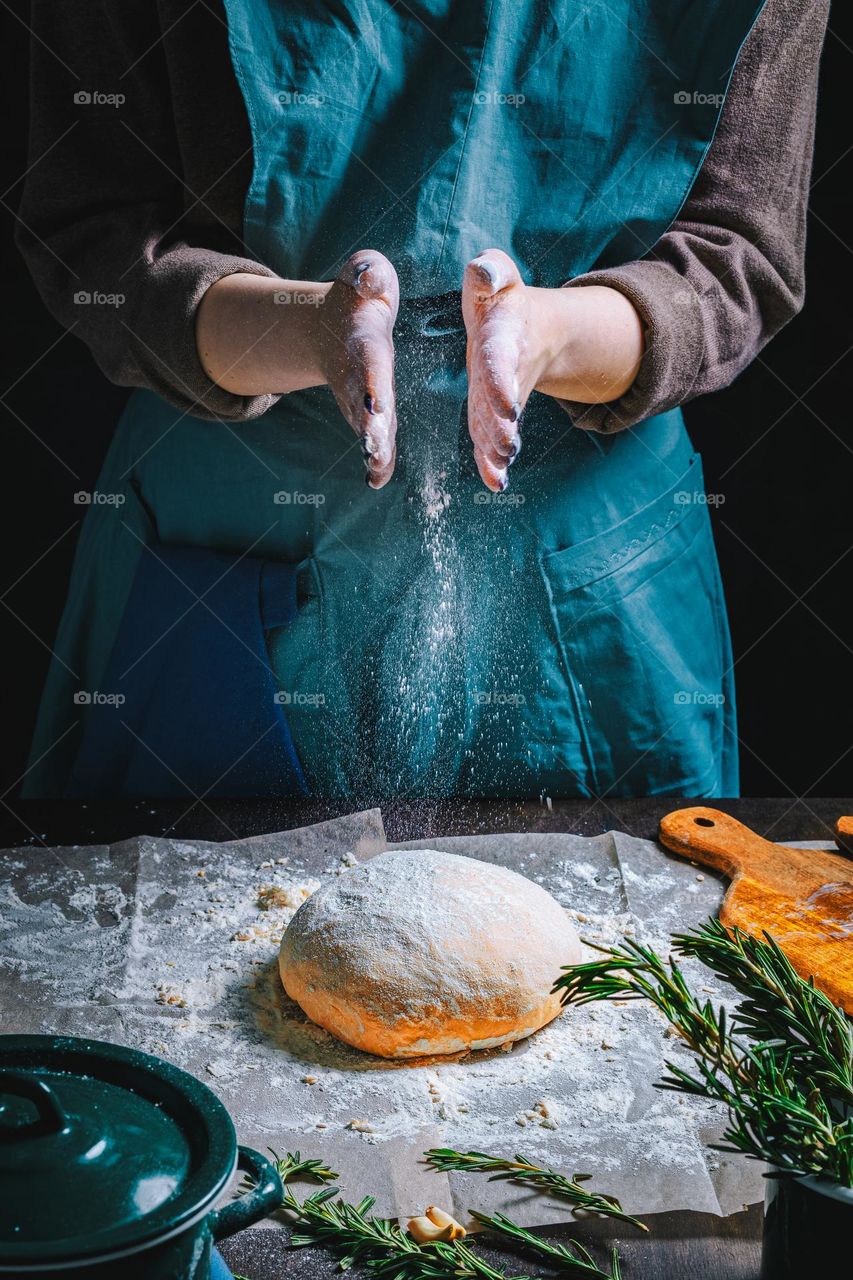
590	341
554	321
304	302
261	335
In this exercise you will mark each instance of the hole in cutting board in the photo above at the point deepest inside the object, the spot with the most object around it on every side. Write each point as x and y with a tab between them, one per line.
704	822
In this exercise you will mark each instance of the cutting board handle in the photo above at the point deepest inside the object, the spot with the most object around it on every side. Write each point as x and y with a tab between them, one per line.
717	840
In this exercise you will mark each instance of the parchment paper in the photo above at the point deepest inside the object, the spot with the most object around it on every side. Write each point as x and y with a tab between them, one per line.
162	945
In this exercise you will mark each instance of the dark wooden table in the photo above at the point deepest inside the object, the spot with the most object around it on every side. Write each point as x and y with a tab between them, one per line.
102	822
680	1246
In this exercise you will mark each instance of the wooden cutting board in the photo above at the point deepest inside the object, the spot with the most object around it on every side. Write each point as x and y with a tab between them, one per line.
802	897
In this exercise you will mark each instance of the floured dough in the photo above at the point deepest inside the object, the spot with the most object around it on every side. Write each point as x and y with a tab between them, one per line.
418	952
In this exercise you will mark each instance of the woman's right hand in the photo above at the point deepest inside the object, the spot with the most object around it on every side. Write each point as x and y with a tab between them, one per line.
259	335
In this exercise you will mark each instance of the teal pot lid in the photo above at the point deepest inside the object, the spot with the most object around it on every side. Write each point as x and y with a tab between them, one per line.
103	1150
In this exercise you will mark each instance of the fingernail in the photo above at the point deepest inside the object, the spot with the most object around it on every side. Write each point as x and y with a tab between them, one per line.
365	451
370	404
360	268
515	412
504	481
486	268
515	450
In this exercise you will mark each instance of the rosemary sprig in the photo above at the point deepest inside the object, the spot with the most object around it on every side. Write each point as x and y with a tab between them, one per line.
389	1253
782	1065
777	1003
291	1165
357	1237
532	1175
571	1255
634	972
350	1231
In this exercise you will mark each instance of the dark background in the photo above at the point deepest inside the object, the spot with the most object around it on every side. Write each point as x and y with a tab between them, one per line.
777	445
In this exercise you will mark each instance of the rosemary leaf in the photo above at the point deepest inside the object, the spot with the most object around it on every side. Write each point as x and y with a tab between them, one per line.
291	1165
524	1171
572	1255
782	1065
356	1237
778	1005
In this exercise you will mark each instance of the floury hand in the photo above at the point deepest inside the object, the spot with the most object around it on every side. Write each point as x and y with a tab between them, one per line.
577	344
262	335
357	356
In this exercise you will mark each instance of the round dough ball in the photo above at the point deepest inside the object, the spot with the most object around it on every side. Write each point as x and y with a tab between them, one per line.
418	952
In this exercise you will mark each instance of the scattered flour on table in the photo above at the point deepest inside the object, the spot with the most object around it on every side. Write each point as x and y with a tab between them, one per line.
185	963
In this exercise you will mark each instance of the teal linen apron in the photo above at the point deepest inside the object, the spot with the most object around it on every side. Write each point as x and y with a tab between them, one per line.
567	637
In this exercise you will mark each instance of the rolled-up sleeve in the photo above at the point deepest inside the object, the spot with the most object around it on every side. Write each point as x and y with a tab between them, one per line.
729	272
106	222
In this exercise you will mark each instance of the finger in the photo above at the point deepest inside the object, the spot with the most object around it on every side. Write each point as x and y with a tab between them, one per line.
483	441
497	353
494	305
503	435
377	420
500	436
370	354
378	477
493	478
364	389
378	433
371	275
496	437
489	273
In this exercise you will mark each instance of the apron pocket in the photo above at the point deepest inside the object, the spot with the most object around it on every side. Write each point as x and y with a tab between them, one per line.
193	707
641	638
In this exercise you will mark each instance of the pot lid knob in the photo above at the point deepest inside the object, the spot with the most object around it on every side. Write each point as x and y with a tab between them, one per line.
49	1117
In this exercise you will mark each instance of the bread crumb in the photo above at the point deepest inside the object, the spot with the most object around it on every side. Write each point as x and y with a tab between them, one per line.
168	995
273	895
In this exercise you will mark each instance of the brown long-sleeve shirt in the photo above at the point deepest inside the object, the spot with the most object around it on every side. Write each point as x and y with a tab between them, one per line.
142	201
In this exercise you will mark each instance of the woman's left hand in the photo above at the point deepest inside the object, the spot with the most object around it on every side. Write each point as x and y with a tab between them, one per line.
581	344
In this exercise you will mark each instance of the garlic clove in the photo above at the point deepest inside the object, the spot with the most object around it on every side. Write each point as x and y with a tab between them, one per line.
424	1231
448	1223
